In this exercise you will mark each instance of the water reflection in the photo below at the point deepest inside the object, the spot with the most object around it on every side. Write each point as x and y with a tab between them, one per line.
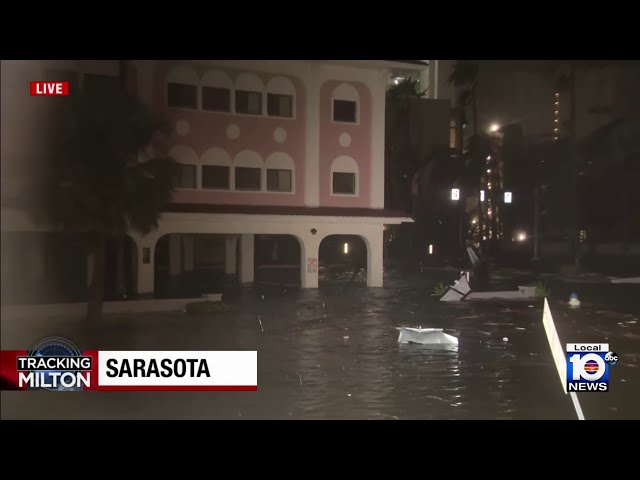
333	353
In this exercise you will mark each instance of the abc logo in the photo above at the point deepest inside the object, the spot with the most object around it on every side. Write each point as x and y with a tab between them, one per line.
590	366
611	358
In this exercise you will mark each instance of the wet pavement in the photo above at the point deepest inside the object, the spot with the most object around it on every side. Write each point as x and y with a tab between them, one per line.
332	353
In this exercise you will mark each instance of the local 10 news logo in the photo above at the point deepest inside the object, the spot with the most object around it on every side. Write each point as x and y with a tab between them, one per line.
588	366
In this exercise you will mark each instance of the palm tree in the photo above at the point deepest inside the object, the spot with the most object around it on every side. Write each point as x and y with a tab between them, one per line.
94	181
465	77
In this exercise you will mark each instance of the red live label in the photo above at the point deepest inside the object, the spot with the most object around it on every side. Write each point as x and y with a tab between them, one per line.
50	89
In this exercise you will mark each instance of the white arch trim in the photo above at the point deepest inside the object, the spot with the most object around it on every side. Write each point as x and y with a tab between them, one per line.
280	161
248	158
216	156
345	91
344	163
281	86
183	154
182	74
217	78
250	82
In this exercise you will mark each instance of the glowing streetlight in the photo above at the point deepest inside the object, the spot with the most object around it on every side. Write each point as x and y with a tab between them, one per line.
482	195
346	248
430	249
455	194
494	127
521	236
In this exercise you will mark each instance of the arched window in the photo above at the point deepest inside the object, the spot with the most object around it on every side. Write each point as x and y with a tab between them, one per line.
280	172
188	162
344	176
182	88
247	168
216	169
216	91
281	96
345	104
248	95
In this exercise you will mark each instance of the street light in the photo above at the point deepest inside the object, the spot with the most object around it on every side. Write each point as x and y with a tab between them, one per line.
494	127
455	194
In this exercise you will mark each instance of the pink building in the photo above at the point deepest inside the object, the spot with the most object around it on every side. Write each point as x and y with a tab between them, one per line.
266	147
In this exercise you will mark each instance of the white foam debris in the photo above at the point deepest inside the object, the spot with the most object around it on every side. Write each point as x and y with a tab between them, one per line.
505	339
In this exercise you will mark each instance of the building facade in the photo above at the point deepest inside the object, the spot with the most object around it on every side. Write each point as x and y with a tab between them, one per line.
264	147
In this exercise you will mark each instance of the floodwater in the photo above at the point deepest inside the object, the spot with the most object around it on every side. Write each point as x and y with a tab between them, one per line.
332	353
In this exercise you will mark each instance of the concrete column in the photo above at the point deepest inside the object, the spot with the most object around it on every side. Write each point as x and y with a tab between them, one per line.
175	254
309	249
377	141
246	258
230	258
375	262
312	164
145	276
188	253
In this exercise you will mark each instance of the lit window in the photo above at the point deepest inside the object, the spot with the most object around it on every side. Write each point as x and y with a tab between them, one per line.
452	134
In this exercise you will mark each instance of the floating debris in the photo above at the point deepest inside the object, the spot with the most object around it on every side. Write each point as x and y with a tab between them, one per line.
425	336
505	339
346	337
520	328
300	378
260	321
348	394
262	297
573	300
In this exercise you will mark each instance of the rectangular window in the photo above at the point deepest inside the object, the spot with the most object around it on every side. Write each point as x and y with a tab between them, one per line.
278	180
344	111
452	134
182	95
215	176
186	177
344	183
216	99
100	84
248	178
279	105
248	102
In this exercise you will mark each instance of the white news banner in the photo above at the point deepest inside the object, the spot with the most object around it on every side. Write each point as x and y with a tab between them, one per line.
223	370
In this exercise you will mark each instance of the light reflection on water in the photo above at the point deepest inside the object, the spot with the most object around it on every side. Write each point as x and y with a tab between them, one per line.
332	353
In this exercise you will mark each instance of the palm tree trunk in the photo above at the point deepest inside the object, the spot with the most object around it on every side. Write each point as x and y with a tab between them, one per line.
97	248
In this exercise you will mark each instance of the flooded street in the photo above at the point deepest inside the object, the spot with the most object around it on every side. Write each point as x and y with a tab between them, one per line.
332	353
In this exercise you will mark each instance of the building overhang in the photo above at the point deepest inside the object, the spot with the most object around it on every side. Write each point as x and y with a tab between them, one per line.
284	214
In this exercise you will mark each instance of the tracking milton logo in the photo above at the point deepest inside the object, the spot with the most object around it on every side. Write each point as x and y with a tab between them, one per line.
56	364
588	366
